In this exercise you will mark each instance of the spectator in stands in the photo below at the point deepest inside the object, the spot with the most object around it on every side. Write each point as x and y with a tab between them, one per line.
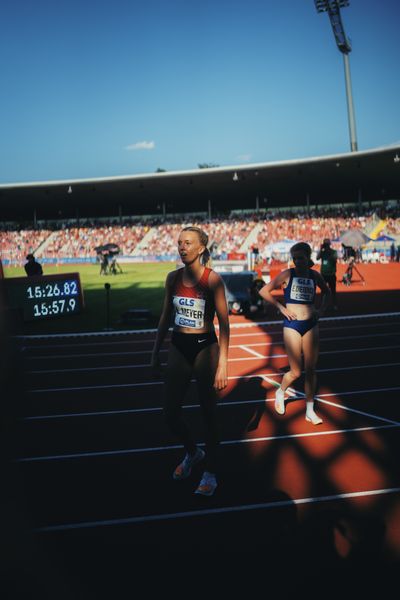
328	258
193	294
375	256
300	324
255	251
32	267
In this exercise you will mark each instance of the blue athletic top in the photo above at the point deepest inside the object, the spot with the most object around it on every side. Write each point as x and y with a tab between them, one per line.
300	290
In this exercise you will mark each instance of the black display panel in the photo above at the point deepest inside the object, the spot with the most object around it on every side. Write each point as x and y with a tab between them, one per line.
45	296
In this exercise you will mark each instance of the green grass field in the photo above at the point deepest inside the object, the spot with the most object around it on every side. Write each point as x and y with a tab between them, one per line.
139	286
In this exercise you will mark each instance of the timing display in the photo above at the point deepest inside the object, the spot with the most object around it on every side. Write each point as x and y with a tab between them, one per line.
57	307
55	289
45	296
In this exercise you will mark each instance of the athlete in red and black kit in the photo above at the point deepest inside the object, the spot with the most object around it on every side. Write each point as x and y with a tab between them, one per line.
193	295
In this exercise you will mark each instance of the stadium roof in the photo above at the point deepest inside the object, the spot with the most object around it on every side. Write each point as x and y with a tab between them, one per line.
370	175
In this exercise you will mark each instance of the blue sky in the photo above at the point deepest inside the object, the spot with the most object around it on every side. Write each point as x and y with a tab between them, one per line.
100	88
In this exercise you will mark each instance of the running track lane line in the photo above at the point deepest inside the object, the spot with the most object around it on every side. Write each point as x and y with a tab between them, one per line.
158	382
98	453
233	335
221	404
233	326
243	347
164	350
213	511
342	406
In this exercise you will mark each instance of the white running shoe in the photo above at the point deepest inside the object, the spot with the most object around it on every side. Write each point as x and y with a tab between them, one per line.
280	401
207	485
184	469
313	418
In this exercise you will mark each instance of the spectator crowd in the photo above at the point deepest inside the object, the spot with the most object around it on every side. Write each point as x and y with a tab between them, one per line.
156	236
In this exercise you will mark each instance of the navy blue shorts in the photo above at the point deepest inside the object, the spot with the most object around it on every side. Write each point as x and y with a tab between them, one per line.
190	344
301	326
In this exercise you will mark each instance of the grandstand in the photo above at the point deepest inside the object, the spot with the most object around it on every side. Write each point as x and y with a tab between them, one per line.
151	240
240	207
365	177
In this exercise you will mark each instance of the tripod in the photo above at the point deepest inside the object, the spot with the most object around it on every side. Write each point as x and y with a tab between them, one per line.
114	266
348	275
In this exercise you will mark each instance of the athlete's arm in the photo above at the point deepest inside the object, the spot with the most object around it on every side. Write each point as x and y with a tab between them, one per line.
276	284
326	294
221	309
165	320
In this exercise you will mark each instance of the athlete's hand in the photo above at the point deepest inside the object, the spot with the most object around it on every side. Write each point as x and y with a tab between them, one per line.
221	378
288	313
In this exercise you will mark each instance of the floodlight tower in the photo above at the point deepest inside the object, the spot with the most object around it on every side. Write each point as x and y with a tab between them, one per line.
332	7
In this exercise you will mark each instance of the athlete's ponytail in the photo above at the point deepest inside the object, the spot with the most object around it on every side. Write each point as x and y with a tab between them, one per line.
205	258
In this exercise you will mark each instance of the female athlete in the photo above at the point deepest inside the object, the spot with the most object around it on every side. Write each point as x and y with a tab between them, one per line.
300	324
193	295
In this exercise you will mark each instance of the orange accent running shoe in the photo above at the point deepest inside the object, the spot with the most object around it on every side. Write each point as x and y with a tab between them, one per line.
184	469
207	485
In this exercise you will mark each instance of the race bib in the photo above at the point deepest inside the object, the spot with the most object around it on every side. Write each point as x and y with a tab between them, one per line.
189	312
302	289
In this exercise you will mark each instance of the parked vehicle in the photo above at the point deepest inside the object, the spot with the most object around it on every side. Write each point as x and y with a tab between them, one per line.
241	292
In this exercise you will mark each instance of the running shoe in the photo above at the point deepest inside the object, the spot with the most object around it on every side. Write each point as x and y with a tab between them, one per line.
207	484
313	418
184	469
280	401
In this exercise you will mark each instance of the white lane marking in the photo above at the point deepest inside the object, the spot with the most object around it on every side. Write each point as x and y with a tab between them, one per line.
245	358
97	453
342	406
135	352
250	350
356	411
233	377
232	325
215	511
221	404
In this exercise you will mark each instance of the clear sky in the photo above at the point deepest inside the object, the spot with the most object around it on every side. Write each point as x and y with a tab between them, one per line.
96	88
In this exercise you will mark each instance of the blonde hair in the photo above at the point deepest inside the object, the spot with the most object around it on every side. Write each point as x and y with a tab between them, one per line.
304	248
205	258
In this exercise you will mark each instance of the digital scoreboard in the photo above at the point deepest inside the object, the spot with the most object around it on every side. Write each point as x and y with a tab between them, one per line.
45	296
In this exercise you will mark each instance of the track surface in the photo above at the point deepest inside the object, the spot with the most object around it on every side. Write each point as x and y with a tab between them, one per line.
94	457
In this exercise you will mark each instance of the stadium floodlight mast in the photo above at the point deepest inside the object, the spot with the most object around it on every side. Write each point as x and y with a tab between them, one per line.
332	7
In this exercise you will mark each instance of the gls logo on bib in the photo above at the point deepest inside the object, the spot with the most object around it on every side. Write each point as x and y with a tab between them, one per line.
189	312
302	289
186	301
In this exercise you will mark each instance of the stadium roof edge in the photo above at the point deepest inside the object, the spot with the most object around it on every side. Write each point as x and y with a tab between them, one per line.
371	175
201	172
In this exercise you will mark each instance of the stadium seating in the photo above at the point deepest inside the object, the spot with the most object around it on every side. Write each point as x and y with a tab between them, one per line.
155	237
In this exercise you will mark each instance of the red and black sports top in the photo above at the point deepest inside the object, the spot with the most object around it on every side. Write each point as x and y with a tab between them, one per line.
194	306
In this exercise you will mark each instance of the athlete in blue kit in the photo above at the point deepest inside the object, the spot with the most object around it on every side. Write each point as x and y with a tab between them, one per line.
300	324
